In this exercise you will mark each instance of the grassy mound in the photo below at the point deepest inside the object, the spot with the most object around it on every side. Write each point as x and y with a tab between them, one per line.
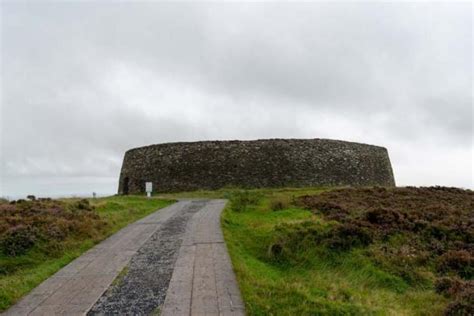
401	251
422	235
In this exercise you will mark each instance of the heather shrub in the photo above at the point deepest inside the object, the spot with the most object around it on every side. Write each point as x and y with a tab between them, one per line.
439	218
291	240
332	211
453	286
418	234
18	240
463	305
82	204
458	261
45	223
53	248
388	221
58	230
347	236
241	200
279	203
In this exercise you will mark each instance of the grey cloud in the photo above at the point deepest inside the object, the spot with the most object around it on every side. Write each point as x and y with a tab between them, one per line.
84	81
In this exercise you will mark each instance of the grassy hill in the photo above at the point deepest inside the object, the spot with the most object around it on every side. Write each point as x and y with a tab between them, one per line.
369	251
311	251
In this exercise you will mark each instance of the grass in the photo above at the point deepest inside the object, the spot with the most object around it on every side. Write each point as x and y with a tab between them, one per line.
24	272
229	192
325	283
305	276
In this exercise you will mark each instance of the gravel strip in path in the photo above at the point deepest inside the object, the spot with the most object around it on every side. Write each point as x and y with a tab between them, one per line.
142	287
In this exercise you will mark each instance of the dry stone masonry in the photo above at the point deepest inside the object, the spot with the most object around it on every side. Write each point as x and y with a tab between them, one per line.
265	163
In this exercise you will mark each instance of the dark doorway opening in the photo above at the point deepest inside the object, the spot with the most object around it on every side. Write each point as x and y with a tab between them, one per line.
126	181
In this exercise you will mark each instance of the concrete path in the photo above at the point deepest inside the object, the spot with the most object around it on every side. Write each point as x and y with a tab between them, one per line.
202	283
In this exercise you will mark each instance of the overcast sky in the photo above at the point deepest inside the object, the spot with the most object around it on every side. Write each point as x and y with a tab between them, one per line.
82	82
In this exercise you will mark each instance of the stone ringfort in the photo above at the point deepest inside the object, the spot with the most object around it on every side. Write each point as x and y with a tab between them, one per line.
266	163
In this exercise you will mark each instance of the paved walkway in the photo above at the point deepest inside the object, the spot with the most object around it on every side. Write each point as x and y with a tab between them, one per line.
202	283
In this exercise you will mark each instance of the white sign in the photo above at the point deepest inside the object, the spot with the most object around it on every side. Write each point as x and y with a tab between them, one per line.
148	188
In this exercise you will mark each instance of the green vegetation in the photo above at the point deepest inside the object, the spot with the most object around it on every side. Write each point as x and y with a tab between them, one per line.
232	193
40	236
325	255
311	251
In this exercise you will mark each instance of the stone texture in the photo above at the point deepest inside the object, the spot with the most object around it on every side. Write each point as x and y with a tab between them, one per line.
254	164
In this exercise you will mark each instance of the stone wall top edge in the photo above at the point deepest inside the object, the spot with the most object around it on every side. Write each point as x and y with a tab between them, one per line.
254	141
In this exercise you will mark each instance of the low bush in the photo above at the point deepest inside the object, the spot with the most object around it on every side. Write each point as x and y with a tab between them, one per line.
279	203
463	305
82	204
419	234
44	222
460	262
453	286
291	240
347	236
388	221
400	258
17	240
242	200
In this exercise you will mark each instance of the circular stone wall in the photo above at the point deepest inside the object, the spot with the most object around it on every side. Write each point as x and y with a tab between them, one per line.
254	164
